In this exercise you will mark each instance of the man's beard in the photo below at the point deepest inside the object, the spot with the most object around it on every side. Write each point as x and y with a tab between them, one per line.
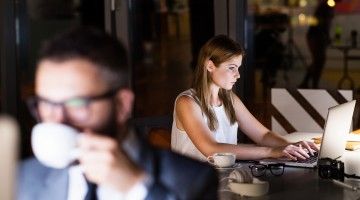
109	128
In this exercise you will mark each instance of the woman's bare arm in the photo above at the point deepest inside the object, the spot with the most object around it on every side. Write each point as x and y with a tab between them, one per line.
189	118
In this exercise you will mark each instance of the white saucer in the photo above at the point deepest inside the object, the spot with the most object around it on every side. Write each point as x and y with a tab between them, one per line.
236	165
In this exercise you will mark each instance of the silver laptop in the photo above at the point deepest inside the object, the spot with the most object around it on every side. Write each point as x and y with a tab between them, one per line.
338	124
9	138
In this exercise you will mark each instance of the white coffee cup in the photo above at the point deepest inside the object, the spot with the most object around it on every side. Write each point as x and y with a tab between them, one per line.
222	159
54	145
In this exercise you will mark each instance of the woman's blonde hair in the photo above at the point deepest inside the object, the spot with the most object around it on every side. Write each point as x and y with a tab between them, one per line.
218	49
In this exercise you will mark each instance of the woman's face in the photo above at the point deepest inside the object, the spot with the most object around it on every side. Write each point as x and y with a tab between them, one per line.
226	74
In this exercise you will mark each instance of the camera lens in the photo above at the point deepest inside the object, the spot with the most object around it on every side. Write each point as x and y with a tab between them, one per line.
325	172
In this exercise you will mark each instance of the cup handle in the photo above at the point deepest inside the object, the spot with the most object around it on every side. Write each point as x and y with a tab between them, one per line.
210	159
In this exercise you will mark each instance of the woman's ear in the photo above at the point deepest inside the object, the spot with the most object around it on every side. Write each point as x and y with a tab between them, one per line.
124	105
210	66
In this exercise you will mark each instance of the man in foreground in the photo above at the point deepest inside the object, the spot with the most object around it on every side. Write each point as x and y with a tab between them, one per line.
81	81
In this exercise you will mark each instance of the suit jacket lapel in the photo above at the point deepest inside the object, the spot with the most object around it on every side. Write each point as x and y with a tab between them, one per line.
147	161
140	151
147	158
55	185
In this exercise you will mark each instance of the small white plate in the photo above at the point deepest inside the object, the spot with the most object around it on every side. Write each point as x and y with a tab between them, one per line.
236	165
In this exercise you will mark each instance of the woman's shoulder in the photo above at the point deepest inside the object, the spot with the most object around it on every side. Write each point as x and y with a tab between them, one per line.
188	94
187	97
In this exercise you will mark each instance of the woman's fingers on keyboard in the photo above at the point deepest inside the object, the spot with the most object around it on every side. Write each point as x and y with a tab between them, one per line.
299	155
288	155
313	146
302	151
297	151
307	148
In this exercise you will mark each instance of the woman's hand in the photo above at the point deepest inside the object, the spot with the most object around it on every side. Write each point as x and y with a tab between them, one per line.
310	147
295	151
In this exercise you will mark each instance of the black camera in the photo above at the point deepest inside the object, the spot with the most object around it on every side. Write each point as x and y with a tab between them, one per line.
331	169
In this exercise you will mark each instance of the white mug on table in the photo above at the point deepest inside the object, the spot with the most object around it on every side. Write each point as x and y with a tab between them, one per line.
222	159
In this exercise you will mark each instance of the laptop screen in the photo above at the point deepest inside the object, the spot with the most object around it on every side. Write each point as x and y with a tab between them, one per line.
338	125
9	133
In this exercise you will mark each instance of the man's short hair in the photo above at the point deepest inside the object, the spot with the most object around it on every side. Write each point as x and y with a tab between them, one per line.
93	45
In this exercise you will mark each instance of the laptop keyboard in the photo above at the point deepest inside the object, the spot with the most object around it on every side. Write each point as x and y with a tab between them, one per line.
311	159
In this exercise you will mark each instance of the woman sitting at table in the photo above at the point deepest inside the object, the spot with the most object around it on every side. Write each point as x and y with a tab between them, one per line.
207	116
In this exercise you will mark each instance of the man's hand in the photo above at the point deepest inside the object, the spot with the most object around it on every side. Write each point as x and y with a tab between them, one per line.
105	163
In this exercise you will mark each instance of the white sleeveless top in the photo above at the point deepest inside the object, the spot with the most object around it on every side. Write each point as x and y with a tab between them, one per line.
225	133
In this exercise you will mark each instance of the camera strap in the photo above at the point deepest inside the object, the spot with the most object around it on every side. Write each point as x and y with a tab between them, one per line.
352	176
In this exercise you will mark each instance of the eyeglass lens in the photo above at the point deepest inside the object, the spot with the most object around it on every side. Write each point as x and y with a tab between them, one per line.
260	169
276	170
76	110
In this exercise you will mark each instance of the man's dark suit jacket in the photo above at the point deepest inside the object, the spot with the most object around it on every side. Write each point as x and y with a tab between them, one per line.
174	177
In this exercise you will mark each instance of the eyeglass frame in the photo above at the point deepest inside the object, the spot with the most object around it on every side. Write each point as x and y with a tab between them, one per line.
268	166
32	102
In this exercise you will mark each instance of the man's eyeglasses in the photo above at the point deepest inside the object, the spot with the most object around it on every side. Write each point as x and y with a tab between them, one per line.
75	109
260	169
